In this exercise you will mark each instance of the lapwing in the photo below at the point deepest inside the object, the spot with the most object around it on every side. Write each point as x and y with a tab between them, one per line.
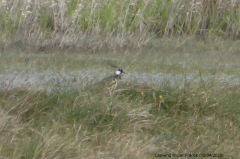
118	71
116	75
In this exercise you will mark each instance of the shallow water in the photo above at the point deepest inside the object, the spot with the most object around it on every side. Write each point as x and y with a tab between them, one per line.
72	79
49	71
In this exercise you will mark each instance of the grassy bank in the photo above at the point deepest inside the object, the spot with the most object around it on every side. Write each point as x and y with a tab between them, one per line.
131	121
102	25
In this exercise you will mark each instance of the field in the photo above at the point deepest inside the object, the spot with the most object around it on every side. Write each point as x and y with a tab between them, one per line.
180	94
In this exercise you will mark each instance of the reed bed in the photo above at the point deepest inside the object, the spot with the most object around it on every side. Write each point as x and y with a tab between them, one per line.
115	25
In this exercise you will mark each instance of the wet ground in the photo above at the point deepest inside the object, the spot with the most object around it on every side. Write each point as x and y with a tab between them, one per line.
176	62
21	74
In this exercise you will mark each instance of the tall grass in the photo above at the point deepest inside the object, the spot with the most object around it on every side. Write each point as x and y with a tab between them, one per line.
98	25
133	121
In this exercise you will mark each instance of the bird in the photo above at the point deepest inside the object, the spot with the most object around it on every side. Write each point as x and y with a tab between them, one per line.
118	71
116	75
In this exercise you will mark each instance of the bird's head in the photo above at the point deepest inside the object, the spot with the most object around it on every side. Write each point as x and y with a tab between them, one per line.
118	71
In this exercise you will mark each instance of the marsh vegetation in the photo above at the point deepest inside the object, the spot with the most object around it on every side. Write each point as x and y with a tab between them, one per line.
180	94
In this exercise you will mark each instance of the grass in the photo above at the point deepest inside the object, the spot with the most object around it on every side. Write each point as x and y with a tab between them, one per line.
173	56
108	25
132	121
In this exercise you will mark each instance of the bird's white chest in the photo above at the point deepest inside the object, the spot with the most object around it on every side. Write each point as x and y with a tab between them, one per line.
118	73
